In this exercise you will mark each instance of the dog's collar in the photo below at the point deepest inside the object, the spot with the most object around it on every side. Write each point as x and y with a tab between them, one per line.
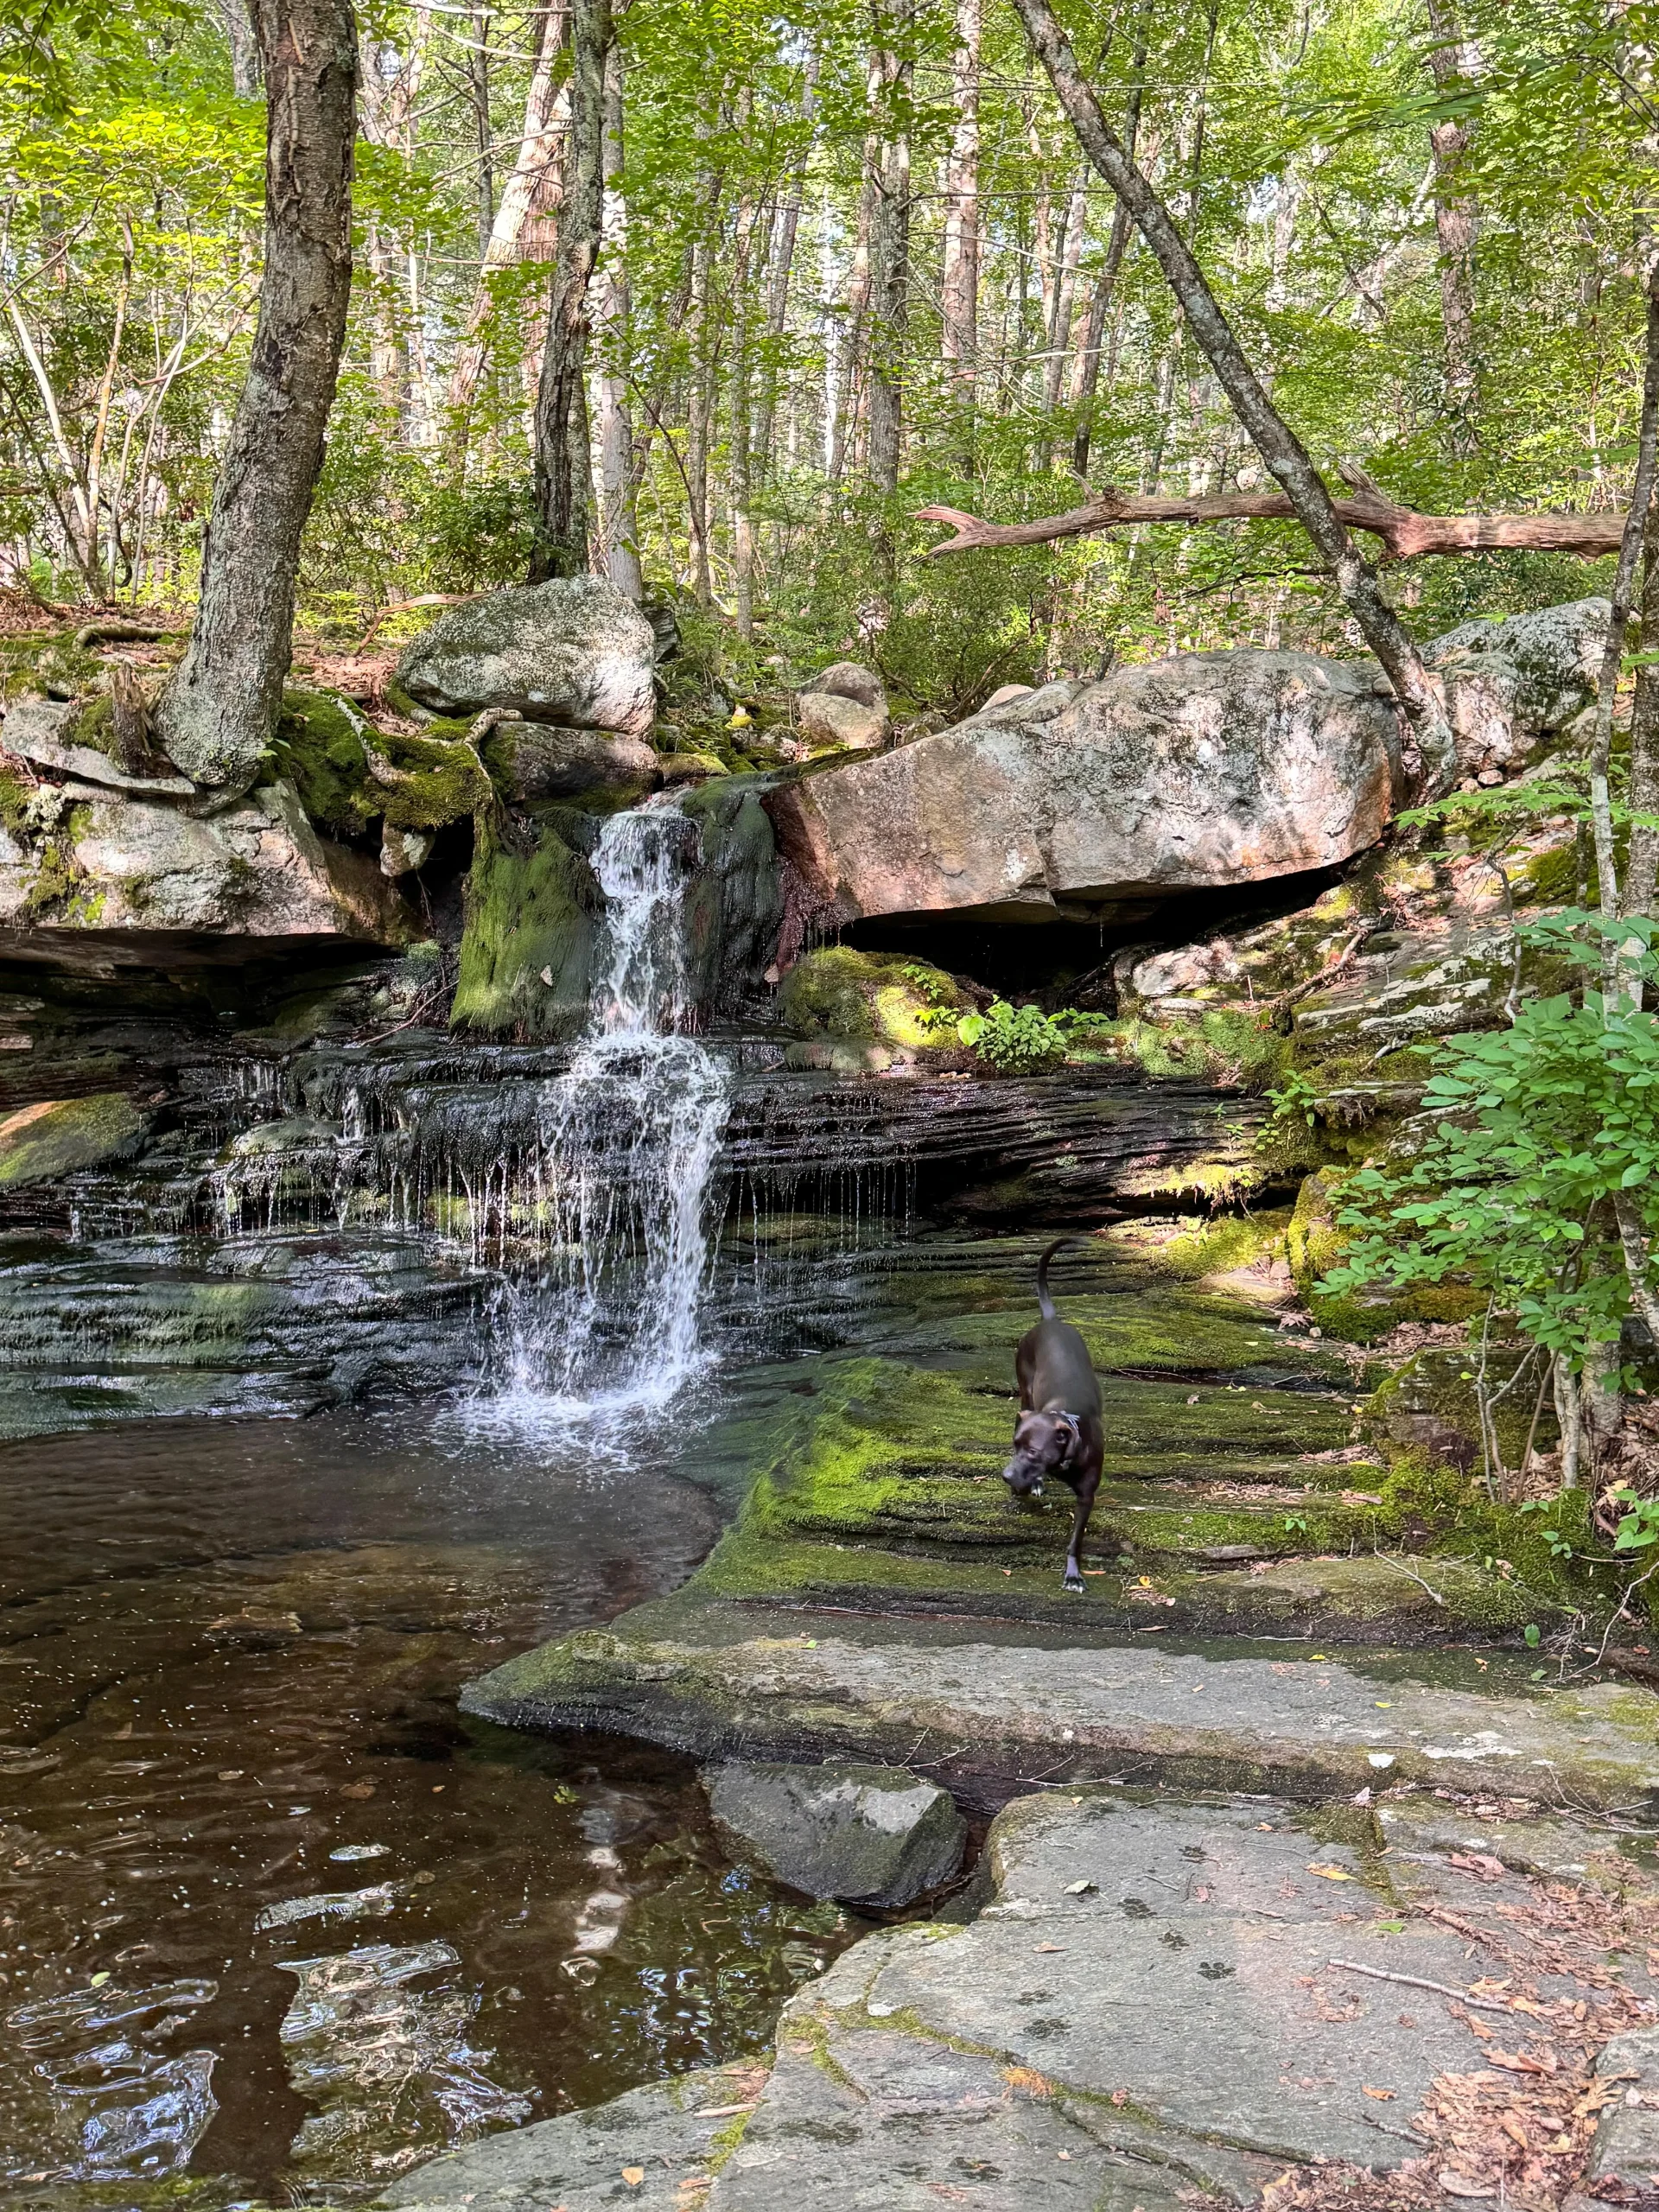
1074	1423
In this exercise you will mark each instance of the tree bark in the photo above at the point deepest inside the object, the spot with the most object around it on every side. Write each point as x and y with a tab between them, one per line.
218	715
478	87
1455	60
1066	292
1406	534
959	284
565	490
619	525
533	189
247	64
1088	378
1276	442
890	294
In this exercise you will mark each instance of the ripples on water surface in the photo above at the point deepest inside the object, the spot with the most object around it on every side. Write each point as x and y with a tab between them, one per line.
274	1916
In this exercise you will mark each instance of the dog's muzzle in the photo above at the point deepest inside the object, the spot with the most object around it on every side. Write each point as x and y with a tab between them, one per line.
1022	1481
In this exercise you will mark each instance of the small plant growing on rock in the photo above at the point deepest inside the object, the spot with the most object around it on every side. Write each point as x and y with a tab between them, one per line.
1018	1039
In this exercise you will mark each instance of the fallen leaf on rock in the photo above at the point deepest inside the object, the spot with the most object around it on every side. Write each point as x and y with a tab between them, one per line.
1382	2097
634	2176
1050	1946
1480	1863
1334	1873
1456	2184
1520	2061
1029	2079
1079	1889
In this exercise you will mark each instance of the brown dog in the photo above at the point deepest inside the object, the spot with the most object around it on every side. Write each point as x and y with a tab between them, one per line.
1059	1431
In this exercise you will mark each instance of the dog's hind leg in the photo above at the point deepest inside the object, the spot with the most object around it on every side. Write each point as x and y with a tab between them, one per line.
1086	1489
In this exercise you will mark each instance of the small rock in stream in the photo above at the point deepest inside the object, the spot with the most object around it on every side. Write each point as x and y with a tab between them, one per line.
865	1835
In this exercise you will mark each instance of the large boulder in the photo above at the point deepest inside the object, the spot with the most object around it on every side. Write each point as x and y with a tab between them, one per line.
1178	775
538	761
56	1135
1197	773
843	709
84	866
869	1835
576	652
1512	684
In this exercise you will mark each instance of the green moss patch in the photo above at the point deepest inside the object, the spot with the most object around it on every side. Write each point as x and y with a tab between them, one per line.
324	745
56	1136
526	950
1315	1243
870	997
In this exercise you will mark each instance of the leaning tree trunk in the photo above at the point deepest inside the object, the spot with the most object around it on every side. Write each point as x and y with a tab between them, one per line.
219	712
565	488
1273	437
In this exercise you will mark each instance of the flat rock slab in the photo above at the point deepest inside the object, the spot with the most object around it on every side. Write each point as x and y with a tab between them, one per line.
869	1835
1166	2001
994	1712
664	2134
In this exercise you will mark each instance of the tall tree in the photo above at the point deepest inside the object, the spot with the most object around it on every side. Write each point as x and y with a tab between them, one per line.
1454	59
619	525
564	489
220	712
959	280
1279	447
1101	301
890	254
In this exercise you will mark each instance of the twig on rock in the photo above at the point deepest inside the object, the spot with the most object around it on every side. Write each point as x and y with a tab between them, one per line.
1417	1981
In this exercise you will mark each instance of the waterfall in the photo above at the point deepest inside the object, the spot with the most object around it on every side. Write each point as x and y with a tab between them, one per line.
629	1137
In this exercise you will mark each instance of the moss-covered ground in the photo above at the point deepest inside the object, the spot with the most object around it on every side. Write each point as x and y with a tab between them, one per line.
1252	1485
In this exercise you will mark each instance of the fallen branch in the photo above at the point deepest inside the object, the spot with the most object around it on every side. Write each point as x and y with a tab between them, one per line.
121	633
1417	1981
404	606
1298	992
1406	534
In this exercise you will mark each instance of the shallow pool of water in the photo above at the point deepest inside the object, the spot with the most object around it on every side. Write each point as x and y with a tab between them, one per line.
274	1917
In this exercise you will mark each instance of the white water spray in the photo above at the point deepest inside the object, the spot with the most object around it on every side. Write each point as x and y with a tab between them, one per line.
629	1141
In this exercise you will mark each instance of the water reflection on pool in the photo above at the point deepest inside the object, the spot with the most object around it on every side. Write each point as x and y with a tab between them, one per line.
272	1913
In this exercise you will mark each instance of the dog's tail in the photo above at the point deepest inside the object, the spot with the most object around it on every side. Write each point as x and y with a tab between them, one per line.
1045	1303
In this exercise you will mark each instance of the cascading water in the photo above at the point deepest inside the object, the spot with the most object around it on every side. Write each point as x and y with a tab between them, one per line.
629	1138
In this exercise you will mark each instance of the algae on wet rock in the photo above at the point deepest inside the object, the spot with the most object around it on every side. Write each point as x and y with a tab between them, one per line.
56	1136
526	949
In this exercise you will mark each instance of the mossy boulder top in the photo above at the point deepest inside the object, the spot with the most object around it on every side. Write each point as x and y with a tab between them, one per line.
534	761
872	997
576	652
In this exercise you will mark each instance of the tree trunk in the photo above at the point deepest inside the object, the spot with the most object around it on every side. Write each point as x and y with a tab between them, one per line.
565	490
699	426
1455	60
782	264
854	380
959	284
1066	292
218	715
742	519
618	524
247	64
531	192
1088	378
1273	439
890	294
478	86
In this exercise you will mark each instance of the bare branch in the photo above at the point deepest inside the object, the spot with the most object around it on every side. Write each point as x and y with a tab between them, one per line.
1407	535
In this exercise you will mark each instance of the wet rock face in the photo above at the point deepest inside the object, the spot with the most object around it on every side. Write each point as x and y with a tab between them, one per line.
575	653
56	1136
871	1835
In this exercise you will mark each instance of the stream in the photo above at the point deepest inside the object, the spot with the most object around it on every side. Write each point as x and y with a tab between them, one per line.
276	1920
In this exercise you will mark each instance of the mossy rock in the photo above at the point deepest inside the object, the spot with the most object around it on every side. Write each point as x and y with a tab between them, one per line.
526	949
1316	1242
872	997
58	1135
323	743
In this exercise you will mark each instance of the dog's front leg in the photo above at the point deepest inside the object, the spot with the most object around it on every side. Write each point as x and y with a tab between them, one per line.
1086	1489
